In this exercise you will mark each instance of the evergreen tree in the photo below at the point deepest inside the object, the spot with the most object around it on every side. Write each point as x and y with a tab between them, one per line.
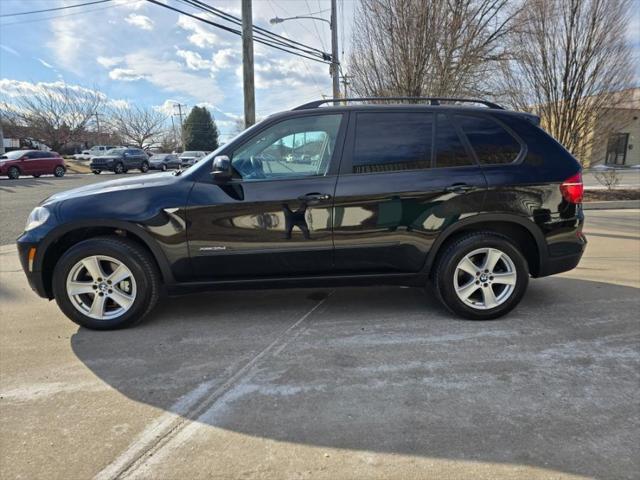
200	130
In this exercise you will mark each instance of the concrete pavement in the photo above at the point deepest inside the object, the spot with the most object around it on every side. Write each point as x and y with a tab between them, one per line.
352	383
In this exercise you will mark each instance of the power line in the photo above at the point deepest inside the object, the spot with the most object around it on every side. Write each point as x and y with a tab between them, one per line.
288	49
258	31
53	9
53	17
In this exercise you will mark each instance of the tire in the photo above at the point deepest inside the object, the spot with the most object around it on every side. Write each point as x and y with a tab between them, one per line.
454	280
13	173
144	168
164	167
96	172
119	168
59	171
140	285
36	175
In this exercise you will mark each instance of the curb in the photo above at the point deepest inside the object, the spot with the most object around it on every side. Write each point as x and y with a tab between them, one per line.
612	205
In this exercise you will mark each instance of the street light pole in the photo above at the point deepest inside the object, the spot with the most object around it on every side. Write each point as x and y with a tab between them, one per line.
334	68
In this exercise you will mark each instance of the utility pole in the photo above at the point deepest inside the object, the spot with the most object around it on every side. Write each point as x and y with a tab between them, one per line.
335	61
180	114
247	65
345	83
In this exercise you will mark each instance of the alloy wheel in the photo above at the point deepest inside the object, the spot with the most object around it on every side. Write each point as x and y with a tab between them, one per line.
485	278
101	287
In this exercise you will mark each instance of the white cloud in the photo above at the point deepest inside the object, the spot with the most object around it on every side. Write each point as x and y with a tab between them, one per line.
7	48
45	64
202	36
170	75
140	21
194	60
119	103
109	62
225	58
126	74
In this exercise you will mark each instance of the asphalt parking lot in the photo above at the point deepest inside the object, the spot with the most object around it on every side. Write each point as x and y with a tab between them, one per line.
347	383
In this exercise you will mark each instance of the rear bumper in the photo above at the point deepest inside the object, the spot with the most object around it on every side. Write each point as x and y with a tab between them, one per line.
552	264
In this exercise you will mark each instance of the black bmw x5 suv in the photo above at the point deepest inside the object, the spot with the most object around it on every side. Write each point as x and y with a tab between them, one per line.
472	199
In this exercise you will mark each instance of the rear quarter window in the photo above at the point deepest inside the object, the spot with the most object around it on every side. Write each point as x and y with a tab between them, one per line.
492	143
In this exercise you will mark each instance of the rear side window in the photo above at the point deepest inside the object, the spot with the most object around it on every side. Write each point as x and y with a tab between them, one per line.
394	141
491	142
450	151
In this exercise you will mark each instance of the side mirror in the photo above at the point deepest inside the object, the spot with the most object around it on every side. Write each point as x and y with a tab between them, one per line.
221	168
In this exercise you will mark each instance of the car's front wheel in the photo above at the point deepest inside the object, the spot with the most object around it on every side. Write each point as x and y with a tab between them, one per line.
59	171
144	168
119	168
481	276
106	283
96	172
164	167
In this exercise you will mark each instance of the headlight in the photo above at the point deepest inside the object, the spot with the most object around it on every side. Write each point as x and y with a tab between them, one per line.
37	217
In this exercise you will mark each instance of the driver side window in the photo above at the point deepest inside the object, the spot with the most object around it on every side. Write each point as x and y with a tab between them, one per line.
294	148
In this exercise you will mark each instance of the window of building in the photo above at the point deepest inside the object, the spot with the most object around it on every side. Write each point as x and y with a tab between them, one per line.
617	148
491	142
393	141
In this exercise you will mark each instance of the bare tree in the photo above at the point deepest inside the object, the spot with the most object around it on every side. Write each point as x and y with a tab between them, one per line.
136	125
54	114
427	47
570	64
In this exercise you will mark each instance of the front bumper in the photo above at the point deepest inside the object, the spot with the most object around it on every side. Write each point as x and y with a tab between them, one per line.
32	266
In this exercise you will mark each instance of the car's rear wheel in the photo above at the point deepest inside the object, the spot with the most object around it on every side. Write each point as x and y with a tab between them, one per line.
96	172
13	173
144	168
119	168
106	283
481	276
59	171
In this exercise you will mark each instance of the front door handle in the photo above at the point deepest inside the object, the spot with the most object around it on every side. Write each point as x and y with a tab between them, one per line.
314	197
459	188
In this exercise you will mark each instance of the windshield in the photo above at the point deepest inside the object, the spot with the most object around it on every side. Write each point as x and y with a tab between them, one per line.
116	151
16	154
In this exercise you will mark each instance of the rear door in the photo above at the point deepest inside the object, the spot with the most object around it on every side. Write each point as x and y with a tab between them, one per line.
275	217
405	176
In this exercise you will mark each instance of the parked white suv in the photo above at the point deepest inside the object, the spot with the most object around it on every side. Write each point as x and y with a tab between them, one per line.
95	151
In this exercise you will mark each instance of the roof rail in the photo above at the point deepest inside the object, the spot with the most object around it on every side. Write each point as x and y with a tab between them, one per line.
431	100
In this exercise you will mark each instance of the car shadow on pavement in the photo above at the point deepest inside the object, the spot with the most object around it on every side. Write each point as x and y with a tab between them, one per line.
554	385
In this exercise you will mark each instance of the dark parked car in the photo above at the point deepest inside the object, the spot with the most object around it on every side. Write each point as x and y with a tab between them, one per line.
31	162
120	160
474	199
164	161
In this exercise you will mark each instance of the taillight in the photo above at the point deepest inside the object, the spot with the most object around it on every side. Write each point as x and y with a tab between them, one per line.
572	188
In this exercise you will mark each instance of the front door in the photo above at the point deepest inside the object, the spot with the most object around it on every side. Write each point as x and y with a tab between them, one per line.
275	217
405	177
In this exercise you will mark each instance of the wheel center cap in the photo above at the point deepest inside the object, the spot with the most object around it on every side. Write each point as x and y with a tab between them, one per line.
484	277
102	287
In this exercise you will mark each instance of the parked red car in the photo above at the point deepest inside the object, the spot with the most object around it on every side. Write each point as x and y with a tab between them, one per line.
31	162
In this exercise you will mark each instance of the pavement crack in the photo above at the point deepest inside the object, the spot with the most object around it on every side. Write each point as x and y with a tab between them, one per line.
195	404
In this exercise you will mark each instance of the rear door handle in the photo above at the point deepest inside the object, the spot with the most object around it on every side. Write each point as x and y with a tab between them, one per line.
314	197
459	188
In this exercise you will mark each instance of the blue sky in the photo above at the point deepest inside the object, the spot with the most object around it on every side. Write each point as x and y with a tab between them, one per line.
141	53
